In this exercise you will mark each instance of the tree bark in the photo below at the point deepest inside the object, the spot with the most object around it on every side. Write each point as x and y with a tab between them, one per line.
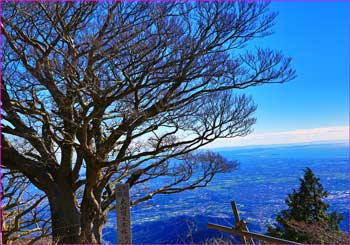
88	212
98	224
90	206
64	213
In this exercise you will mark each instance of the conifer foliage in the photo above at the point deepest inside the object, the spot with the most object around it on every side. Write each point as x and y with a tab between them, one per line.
306	220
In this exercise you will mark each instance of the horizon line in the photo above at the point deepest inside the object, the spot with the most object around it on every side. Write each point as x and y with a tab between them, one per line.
319	135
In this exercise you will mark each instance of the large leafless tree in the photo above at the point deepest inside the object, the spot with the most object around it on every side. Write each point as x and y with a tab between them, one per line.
94	94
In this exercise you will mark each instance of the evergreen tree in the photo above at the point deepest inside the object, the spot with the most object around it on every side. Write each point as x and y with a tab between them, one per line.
305	209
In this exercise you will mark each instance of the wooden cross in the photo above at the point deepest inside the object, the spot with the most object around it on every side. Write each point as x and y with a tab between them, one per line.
240	229
240	224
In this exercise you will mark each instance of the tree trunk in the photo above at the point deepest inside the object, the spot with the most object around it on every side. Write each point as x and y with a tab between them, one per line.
88	211
64	213
90	206
99	222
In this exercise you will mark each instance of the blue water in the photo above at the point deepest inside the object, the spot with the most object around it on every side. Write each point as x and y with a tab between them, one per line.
264	177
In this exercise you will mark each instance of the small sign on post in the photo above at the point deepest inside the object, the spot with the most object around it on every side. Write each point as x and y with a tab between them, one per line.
123	214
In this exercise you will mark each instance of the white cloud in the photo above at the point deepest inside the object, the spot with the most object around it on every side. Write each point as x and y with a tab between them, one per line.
338	133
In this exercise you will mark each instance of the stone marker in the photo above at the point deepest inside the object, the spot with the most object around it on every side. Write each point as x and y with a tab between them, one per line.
123	214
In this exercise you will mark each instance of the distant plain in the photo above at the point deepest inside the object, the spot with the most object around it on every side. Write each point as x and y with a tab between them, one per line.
259	186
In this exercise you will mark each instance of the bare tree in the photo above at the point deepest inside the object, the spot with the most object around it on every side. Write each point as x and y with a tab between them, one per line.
319	232
102	93
25	217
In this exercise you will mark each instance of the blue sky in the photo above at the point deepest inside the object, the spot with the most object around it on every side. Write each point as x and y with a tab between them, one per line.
316	36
